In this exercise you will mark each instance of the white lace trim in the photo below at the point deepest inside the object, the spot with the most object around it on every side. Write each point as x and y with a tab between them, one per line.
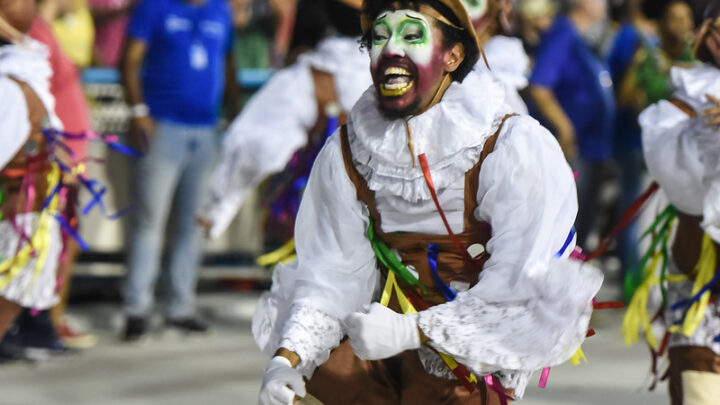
312	335
516	337
380	145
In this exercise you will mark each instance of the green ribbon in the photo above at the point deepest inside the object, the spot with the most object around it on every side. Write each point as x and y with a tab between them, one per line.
391	262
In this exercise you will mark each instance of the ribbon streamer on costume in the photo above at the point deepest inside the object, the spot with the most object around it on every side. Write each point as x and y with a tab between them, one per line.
706	277
445	289
284	254
40	240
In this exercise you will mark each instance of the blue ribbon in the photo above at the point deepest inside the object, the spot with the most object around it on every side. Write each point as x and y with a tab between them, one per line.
689	303
72	232
445	290
717	339
567	243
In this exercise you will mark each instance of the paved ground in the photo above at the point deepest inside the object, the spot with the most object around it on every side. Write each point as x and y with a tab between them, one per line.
226	367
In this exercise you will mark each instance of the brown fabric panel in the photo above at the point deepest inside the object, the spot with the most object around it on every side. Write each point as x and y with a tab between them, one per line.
684	358
684	107
401	380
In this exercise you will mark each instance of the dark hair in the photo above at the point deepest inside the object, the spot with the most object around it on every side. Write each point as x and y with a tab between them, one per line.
451	35
316	19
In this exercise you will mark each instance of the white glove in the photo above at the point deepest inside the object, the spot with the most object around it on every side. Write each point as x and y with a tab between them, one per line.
281	384
381	332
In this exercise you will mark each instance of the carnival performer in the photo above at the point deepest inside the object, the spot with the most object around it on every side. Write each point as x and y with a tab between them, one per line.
506	58
430	182
681	145
30	236
287	114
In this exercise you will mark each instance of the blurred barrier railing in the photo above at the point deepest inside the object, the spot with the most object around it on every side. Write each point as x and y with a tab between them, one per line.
247	78
110	114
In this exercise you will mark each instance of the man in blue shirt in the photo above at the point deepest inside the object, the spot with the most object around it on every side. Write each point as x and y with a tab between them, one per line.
572	93
177	66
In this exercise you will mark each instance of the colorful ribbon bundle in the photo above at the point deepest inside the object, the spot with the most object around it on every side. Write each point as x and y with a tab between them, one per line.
37	245
651	273
285	193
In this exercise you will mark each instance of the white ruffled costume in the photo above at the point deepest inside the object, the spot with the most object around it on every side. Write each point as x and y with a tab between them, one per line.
275	124
510	65
528	310
28	63
683	156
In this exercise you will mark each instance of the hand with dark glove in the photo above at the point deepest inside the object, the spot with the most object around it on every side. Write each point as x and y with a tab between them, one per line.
381	332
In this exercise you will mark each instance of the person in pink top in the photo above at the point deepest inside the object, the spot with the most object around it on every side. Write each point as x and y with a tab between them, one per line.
72	110
111	19
71	107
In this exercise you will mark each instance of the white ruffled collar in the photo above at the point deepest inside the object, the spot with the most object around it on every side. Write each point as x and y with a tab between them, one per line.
692	84
28	63
452	134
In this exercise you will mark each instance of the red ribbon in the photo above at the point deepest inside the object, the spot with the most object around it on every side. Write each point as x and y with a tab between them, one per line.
627	218
428	179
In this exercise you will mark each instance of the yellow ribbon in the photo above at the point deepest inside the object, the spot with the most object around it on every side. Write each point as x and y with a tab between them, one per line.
637	317
407	307
284	254
40	240
578	357
705	271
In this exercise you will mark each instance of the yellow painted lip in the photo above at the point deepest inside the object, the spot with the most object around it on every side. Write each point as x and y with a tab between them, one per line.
395	92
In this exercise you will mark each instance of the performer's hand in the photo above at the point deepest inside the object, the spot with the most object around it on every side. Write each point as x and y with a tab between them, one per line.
281	384
142	130
712	114
381	333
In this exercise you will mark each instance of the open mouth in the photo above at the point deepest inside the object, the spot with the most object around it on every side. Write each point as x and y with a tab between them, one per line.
397	81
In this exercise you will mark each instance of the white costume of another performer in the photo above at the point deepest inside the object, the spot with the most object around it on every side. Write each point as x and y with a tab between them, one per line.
529	308
510	65
683	156
276	121
26	63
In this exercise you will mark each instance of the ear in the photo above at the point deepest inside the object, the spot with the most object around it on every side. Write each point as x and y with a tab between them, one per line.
454	57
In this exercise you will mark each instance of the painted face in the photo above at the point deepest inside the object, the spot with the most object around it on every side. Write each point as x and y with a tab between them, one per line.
477	9
406	60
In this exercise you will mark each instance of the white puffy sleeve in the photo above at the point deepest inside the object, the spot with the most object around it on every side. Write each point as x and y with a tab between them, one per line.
336	271
531	306
672	155
260	141
14	122
683	156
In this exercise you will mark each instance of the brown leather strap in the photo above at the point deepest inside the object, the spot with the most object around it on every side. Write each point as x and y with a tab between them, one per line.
684	107
363	192
472	178
325	94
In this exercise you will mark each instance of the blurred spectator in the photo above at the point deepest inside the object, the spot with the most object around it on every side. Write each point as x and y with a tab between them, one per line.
184	49
640	61
75	32
111	19
72	109
572	92
536	17
253	34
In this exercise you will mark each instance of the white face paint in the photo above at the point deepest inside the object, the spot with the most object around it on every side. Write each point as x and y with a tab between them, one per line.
403	33
476	8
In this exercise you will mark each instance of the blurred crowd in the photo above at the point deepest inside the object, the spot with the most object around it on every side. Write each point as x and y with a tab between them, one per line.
594	66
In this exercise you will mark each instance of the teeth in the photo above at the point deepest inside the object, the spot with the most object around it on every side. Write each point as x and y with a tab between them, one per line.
395	89
396	71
